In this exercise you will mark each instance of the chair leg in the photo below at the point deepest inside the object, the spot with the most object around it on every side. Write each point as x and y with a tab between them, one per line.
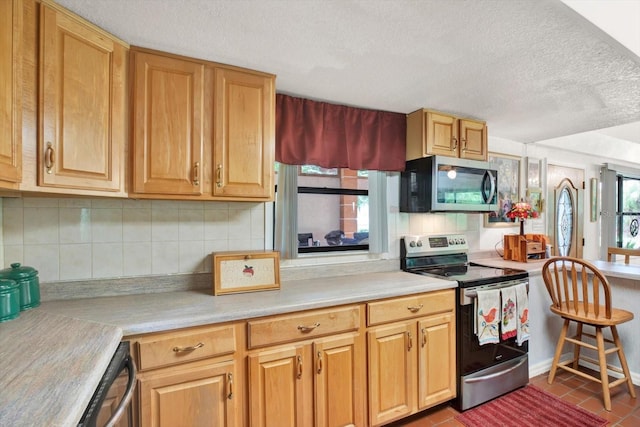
556	357
577	347
604	375
623	360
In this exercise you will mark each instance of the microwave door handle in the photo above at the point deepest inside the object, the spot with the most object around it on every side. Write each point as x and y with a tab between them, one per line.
492	191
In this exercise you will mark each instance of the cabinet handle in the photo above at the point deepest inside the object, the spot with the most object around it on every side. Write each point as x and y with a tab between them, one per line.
410	343
187	349
414	308
219	176
307	329
455	143
319	362
229	385
424	336
464	144
299	367
49	157
196	174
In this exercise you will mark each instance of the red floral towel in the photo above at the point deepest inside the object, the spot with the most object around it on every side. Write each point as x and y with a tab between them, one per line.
509	312
523	313
488	316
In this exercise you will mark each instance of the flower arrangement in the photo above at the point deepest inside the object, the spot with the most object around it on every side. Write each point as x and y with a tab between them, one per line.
522	211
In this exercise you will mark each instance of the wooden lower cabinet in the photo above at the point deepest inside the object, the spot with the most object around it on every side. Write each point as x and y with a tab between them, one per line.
195	396
436	360
411	362
319	383
392	386
330	367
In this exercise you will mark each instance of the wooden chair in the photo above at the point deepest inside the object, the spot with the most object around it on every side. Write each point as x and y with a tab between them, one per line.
581	293
622	251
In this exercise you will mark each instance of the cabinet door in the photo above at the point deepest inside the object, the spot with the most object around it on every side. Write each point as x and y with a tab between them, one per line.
436	360
198	396
10	93
82	77
244	134
473	140
168	126
339	370
392	368
276	388
441	134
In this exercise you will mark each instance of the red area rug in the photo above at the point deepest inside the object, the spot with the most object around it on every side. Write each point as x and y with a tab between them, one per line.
529	407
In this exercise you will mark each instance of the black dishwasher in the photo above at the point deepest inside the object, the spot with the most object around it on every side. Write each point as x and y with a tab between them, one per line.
120	362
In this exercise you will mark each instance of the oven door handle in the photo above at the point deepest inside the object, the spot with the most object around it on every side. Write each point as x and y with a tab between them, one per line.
115	417
468	295
497	374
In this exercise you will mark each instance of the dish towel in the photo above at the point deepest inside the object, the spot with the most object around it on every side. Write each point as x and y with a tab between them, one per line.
508	324
488	315
522	300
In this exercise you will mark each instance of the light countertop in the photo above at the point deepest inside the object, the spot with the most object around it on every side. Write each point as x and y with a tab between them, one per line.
51	365
144	313
53	356
534	267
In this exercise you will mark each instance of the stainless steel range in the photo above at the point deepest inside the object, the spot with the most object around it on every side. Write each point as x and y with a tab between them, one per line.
484	371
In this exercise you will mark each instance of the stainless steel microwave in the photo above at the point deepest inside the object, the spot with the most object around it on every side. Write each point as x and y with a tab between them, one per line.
448	184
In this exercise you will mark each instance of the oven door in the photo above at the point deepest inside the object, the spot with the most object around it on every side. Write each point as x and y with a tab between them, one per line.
473	356
100	412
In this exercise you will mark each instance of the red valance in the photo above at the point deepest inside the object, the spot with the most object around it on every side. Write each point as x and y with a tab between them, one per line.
336	136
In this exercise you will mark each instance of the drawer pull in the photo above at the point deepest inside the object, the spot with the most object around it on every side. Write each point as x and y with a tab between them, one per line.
299	375
229	385
319	362
306	329
187	349
415	308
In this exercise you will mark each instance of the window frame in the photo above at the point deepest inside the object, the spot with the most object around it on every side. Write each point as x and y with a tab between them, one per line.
620	213
332	191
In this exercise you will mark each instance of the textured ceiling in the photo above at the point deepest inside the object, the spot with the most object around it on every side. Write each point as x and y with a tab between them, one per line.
534	70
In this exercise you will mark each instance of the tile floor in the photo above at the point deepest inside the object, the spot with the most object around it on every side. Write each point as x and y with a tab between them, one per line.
625	411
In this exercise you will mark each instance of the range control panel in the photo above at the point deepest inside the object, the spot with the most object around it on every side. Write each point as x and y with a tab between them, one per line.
435	244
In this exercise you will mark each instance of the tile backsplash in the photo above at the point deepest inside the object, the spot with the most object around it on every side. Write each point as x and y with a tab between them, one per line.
75	239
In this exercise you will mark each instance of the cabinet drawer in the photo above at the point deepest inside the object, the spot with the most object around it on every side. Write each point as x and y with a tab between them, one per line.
411	306
185	346
300	326
534	247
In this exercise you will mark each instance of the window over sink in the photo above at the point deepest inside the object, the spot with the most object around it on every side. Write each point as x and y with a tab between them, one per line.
327	212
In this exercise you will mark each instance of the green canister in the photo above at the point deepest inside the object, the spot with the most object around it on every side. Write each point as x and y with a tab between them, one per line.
9	300
27	280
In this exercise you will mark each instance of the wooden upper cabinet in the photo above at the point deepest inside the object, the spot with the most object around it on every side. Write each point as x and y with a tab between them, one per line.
168	125
441	134
10	93
82	104
201	130
244	134
473	139
433	133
